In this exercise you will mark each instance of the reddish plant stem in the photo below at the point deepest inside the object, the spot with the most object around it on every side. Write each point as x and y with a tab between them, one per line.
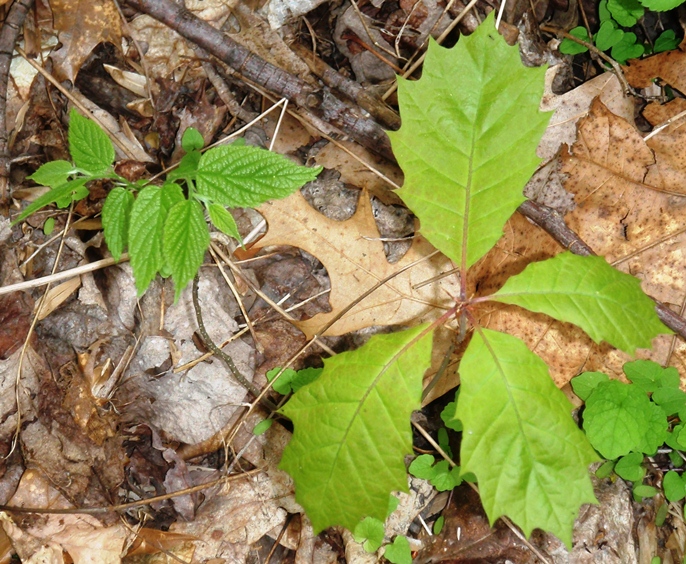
553	223
255	69
8	37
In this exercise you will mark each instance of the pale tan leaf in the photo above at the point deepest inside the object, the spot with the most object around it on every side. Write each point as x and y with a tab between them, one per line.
57	296
353	256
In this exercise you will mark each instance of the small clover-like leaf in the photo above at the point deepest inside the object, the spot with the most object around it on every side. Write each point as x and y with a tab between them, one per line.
627	48
89	146
423	467
649	375
674	487
606	303
666	41
248	176
116	213
625	12
192	140
399	552
661	5
446	478
630	467
185	241
585	383
53	173
570	47
369	532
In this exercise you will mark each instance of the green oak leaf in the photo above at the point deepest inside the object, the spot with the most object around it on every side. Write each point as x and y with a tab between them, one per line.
607	304
649	375
625	12
244	176
224	221
53	173
661	5
89	146
620	418
519	439
116	212
64	192
352	429
467	144
146	226
185	240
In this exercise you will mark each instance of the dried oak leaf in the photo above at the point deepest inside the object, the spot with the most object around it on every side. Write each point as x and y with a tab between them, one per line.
82	25
354	258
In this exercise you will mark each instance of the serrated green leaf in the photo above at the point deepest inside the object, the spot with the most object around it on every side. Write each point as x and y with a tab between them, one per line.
606	303
66	190
283	384
399	552
370	533
192	140
654	432
224	221
53	173
661	5
467	144
422	467
585	383
620	418
352	429
630	467
148	215
625	12
519	438
247	176
187	169
569	47
675	489
185	240
649	375
116	213
89	145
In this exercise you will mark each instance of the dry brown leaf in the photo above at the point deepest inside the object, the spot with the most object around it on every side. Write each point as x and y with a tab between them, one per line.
81	25
353	256
670	66
57	296
82	536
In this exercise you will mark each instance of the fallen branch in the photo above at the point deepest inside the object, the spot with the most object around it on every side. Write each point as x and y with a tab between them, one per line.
323	103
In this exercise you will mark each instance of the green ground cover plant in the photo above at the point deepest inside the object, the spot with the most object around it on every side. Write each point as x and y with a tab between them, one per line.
612	35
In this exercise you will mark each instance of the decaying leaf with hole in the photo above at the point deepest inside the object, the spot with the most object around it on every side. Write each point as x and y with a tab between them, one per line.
354	258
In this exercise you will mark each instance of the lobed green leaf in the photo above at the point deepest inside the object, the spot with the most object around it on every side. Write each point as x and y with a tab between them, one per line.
352	429
244	176
467	145
606	303
519	439
116	213
186	238
89	146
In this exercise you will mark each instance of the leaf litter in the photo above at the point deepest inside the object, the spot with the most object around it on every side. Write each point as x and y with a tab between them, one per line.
624	227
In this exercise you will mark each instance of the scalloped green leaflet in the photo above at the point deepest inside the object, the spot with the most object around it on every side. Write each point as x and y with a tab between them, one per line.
186	238
519	438
467	145
620	418
661	5
116	212
607	304
89	145
243	176
625	12
352	429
